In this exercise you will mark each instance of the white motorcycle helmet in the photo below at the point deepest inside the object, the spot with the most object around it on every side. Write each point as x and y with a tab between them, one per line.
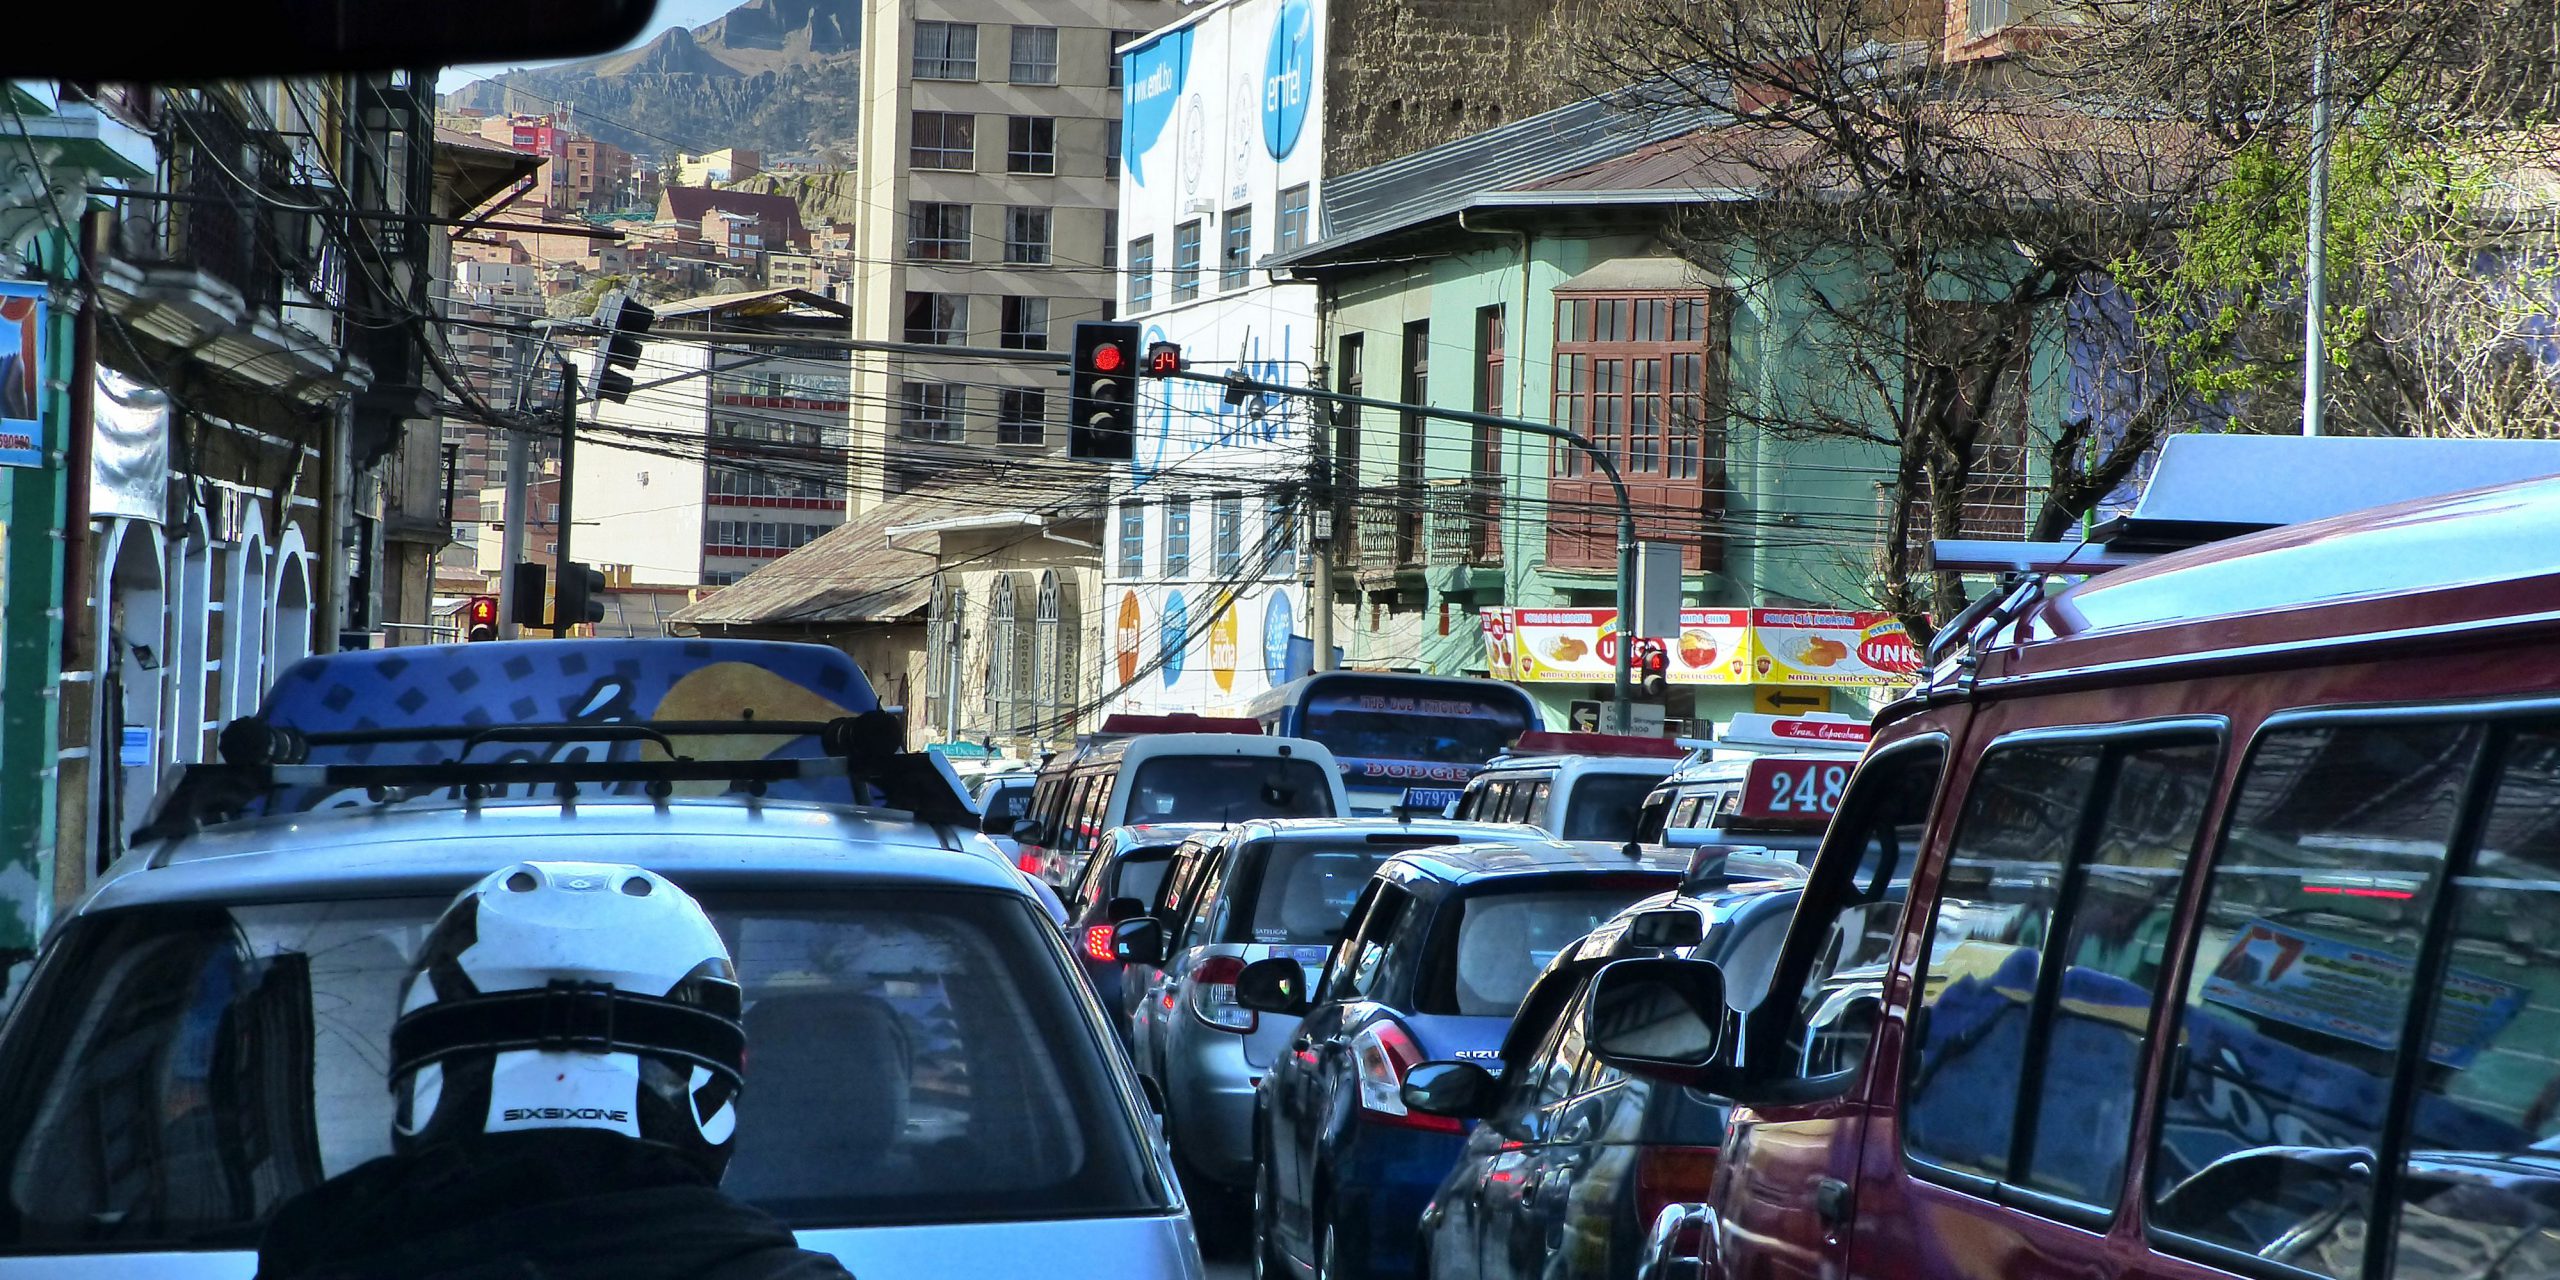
571	995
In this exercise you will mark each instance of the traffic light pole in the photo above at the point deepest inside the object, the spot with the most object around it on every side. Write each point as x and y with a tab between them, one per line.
1622	692
560	621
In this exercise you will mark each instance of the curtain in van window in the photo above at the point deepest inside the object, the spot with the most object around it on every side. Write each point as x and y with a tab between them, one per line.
2298	996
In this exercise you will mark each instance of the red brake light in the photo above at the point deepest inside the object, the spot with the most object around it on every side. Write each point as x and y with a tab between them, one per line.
1029	863
1097	943
1213	995
1671	1175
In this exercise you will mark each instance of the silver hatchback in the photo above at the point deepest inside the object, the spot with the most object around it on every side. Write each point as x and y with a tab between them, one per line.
1276	887
931	1090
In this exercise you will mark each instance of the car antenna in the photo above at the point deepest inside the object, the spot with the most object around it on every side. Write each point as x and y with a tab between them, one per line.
1634	852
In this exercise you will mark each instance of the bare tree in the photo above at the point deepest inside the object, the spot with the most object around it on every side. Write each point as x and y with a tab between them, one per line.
1945	218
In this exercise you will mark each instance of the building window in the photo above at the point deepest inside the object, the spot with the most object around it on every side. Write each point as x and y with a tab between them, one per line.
1022	416
1055	642
1111	54
946	51
1235	260
1293	218
930	411
1031	145
1142	273
1279	526
938	318
1026	236
1186	262
943	140
1111	239
1133	540
1026	325
1035	55
1111	150
1350	380
1489	359
1177	538
1226	534
1638	374
937	232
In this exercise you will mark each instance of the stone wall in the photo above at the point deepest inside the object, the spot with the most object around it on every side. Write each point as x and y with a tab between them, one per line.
1404	75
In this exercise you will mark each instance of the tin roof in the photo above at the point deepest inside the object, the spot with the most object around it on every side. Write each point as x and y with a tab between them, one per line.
851	573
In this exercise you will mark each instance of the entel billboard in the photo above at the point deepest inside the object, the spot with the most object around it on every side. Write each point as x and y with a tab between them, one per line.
1223	113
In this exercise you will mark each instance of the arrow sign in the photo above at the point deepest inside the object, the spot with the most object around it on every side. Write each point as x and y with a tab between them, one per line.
1778	700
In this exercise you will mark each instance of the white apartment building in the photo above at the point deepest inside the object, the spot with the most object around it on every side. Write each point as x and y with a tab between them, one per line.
1224	143
990	158
731	451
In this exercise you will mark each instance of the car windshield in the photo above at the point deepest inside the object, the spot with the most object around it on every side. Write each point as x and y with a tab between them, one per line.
176	1072
1438	728
1502	939
1005	803
1603	806
1304	892
1228	789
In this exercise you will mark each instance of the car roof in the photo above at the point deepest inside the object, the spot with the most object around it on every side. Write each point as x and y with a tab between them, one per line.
1494	859
1735	768
2474	557
1641	766
1259	829
376	850
1158	833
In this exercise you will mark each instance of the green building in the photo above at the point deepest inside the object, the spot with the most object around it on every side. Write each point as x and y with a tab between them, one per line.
1527	272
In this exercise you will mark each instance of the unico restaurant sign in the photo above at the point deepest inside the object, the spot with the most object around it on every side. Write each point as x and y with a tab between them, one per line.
1714	647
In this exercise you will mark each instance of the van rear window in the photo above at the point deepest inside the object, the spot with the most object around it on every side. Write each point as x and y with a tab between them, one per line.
1488	947
1227	789
1300	891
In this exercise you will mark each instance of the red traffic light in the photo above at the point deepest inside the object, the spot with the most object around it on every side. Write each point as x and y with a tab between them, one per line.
484	611
1108	358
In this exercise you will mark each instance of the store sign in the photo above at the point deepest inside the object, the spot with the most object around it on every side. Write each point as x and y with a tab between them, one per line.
1154	74
1173	637
1124	637
22	317
1222	647
1714	647
1806	646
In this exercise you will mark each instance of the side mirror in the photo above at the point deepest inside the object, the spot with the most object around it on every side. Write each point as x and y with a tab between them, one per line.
1119	909
1461	1090
1138	941
1275	985
1025	831
1659	1018
1667	927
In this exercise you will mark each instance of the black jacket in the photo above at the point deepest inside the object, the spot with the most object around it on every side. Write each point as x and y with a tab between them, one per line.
561	1204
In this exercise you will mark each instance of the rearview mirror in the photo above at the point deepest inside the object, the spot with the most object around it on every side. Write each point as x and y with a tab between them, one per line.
1667	927
1275	985
1025	831
1138	941
1656	1017
1461	1090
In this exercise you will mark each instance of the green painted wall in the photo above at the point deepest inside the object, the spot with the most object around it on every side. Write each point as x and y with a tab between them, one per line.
1801	513
31	504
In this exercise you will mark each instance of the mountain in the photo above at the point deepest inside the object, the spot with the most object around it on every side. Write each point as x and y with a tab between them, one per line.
775	75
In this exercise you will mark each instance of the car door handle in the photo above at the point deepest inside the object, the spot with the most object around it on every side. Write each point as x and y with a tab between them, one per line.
1831	1200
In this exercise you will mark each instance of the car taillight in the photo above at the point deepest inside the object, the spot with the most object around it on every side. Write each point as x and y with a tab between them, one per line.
1029	862
1382	1053
1213	994
1097	943
1669	1176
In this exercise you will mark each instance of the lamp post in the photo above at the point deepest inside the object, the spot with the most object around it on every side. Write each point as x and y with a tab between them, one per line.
2315	258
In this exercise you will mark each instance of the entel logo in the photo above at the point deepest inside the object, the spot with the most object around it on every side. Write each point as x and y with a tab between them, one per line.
1284	78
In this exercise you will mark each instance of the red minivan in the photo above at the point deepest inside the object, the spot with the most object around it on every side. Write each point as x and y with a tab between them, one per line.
2232	937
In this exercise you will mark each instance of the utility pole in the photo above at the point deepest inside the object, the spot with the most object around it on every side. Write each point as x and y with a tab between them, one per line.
2315	266
1323	505
560	560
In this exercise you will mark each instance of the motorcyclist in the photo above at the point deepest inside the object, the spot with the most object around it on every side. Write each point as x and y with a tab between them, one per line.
565	1073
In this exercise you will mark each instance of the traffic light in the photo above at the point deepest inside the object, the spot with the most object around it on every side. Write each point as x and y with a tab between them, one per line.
1164	359
480	618
624	322
531	583
1102	392
581	597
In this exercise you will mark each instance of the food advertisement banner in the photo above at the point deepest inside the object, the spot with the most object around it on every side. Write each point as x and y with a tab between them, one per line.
22	318
1715	647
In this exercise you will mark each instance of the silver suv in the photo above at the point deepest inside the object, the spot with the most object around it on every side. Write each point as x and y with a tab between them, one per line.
931	1088
1275	887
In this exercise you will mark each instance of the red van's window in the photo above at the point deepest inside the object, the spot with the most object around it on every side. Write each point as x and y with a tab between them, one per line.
1880	826
2026	1073
2299	995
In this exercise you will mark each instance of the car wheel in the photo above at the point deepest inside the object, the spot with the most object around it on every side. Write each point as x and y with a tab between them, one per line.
1328	1254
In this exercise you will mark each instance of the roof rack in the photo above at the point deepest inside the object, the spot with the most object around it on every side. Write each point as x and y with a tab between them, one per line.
1542	742
265	763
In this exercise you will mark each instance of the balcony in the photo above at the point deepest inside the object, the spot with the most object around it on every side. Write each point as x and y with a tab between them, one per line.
1462	522
1387	538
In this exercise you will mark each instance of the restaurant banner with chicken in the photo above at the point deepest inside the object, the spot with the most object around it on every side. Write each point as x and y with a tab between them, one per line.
1714	647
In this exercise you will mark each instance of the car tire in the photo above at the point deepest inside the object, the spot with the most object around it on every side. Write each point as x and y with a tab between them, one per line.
1329	1264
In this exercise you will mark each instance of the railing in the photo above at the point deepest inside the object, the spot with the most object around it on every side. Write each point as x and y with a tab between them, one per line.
1388	533
1463	521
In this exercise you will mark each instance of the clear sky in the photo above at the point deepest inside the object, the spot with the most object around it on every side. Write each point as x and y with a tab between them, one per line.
671	13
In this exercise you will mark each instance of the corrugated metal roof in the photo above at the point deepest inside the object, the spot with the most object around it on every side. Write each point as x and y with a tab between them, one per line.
752	301
852	574
1440	181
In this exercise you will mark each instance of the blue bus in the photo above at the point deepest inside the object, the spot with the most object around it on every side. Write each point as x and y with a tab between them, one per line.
1401	739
